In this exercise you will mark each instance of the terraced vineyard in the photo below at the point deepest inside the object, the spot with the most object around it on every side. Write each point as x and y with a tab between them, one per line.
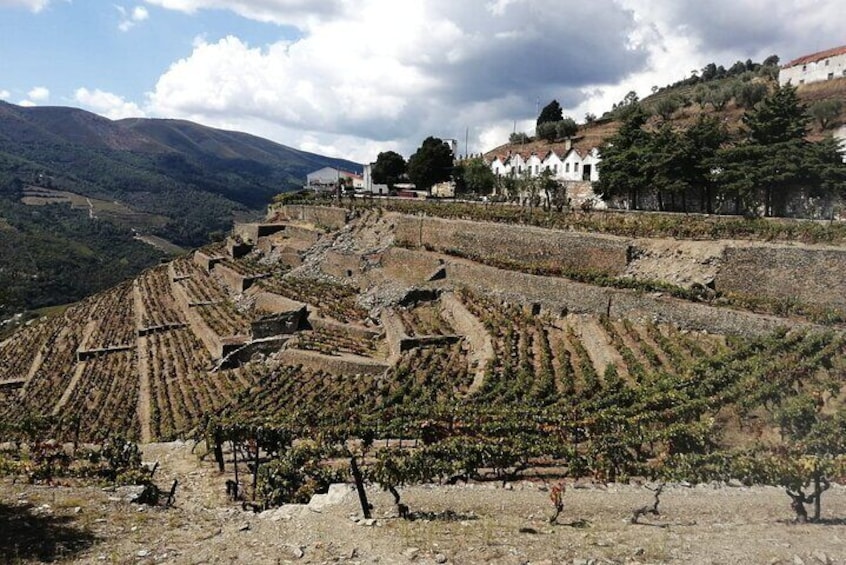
332	341
332	299
158	305
485	384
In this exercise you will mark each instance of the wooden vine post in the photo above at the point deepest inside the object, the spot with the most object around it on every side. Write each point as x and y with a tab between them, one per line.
359	486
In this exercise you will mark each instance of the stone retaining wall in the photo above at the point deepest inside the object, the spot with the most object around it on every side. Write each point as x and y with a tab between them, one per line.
561	296
205	261
409	267
337	365
323	216
509	244
809	275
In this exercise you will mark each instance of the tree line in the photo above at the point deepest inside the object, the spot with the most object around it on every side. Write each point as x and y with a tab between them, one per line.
768	168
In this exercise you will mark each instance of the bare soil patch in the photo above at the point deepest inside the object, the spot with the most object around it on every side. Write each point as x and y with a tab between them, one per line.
456	524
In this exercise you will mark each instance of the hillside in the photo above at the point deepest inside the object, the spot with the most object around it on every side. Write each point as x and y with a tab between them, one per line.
592	135
432	348
321	298
193	175
171	179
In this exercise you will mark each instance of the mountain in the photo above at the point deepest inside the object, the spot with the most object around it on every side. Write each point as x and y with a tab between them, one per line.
193	175
110	182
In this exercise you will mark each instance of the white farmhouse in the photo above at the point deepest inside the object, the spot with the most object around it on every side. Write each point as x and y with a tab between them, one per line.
572	165
576	169
825	65
328	178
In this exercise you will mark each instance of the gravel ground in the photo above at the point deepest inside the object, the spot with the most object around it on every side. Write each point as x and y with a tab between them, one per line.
455	524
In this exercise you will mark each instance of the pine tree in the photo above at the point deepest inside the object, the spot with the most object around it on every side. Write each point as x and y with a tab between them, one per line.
551	113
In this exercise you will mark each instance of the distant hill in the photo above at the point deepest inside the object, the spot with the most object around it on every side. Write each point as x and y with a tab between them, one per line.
194	175
76	189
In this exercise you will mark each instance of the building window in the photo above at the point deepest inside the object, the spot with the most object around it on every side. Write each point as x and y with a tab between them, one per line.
536	169
804	68
830	76
555	169
566	167
826	62
802	81
575	167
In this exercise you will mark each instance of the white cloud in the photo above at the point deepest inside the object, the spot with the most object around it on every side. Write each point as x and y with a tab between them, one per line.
131	17
396	72
364	76
107	104
27	103
282	12
39	94
34	5
5	94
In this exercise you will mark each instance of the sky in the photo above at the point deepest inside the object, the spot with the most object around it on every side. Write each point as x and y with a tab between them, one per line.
352	78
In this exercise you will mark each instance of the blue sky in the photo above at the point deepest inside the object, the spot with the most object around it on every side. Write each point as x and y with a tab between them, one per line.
351	78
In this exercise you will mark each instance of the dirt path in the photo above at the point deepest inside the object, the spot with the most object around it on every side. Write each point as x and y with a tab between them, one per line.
462	524
478	338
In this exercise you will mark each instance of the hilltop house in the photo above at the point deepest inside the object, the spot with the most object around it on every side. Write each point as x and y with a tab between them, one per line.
575	169
328	178
824	65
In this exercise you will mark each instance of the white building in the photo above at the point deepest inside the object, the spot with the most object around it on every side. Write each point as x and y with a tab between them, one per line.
328	178
368	186
571	165
825	65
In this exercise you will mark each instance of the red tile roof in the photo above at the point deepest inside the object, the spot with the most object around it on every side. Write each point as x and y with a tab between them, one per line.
816	56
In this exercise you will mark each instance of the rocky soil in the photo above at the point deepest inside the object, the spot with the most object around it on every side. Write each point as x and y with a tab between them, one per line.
455	524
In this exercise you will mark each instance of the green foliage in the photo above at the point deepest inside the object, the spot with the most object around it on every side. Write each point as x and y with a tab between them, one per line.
826	112
550	113
775	164
566	128
475	176
666	106
750	93
296	475
547	131
389	168
431	163
519	137
624	156
54	255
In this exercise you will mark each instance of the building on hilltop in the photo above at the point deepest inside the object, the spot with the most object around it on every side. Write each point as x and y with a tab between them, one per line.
328	178
824	65
575	169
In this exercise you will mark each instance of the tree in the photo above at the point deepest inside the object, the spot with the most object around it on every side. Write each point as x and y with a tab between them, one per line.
747	94
623	159
431	163
550	113
719	97
826	112
547	131
567	127
779	118
389	168
518	137
475	176
665	106
590	118
771	165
